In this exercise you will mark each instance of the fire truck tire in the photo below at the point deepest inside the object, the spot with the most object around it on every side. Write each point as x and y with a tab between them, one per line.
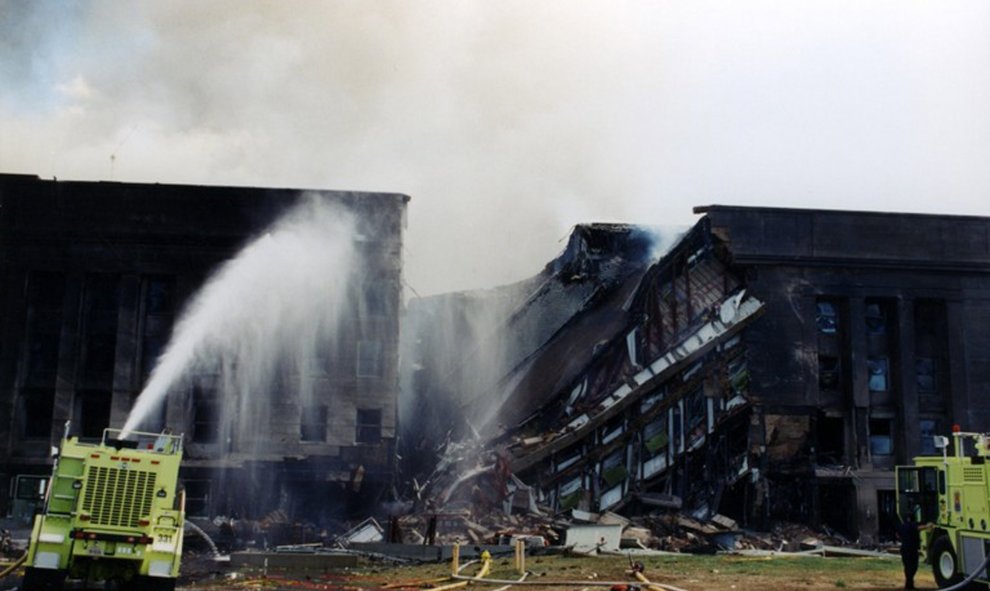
945	565
43	579
142	583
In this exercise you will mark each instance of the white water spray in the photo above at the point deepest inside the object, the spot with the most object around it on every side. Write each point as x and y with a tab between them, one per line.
276	304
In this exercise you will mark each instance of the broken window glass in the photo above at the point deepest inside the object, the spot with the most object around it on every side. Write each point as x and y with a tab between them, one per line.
313	423
612	430
878	369
569	457
827	317
570	494
828	372
876	319
613	468
610	497
697	413
369	425
924	374
652	400
655	438
881	437
677	428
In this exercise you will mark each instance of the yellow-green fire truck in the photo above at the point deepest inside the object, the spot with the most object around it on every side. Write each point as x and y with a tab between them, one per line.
112	513
950	492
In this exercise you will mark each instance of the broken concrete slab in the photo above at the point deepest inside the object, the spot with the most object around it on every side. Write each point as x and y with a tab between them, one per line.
589	538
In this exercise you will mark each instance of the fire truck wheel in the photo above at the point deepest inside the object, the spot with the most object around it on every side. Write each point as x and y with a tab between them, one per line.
43	579
944	563
142	583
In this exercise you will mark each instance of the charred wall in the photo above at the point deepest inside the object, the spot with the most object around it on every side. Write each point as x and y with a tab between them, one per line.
871	343
95	274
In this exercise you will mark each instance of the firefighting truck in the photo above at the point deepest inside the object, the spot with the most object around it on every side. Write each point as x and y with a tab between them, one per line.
948	496
112	512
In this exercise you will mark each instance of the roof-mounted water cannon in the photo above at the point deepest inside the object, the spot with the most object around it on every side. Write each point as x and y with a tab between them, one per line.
942	443
970	444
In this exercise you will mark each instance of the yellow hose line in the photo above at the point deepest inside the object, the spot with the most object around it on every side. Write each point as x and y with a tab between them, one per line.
14	566
486	566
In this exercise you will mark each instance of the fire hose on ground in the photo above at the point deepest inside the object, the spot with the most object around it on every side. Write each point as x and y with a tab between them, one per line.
14	566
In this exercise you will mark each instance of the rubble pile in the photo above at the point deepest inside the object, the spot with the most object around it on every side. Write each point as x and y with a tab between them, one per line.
669	532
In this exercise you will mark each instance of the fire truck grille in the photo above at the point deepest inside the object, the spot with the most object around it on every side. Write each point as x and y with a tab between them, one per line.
118	497
974	474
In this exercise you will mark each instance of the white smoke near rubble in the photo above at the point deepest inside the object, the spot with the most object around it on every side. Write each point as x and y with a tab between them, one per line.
508	122
272	309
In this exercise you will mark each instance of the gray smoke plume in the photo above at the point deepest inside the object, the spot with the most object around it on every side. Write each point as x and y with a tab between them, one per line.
508	122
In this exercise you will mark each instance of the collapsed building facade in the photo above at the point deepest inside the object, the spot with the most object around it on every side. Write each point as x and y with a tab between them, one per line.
95	275
774	364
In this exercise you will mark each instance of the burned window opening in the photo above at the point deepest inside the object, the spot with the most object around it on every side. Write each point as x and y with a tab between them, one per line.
829	372
924	375
206	415
93	412
827	317
369	426
99	344
881	436
927	430
159	309
36	417
875	318
198	495
878	374
46	292
831	440
313	423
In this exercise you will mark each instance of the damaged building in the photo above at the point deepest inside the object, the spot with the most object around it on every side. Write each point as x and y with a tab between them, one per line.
774	364
95	275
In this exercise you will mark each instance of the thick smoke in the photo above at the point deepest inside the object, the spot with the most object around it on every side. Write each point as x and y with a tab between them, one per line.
274	307
508	122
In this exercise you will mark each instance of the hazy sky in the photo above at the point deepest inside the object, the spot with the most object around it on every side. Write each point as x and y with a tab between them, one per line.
509	121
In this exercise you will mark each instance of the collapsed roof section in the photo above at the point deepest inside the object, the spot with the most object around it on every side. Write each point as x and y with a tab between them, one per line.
461	349
641	392
621	380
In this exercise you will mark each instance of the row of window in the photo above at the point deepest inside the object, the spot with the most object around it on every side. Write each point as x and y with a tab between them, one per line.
882	436
92	408
827	317
878	368
313	420
97	325
683	426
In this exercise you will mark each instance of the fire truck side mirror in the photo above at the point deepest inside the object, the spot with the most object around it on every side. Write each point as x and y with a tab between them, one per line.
941	441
